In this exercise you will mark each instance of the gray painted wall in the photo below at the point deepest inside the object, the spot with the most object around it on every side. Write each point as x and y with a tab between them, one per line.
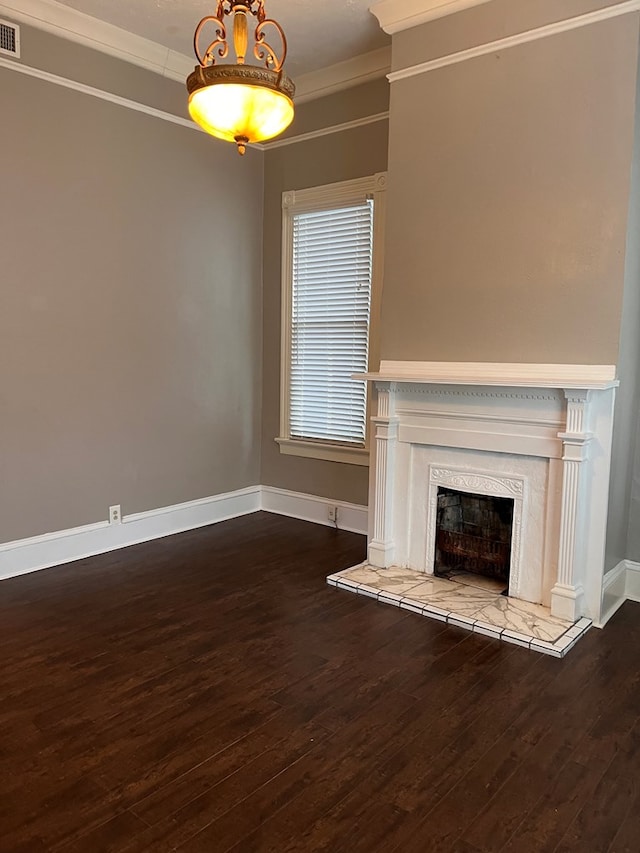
359	102
623	536
508	198
132	351
527	248
633	539
482	24
93	68
339	157
130	316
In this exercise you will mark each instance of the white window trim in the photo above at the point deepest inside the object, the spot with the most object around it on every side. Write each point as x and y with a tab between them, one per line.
302	201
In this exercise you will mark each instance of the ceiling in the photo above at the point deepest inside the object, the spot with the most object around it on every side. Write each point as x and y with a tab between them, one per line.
319	32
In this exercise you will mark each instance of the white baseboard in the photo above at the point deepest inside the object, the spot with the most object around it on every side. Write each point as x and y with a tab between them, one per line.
351	517
633	581
620	584
65	546
613	592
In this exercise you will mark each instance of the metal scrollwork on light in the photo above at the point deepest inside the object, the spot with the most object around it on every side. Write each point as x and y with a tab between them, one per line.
219	45
263	50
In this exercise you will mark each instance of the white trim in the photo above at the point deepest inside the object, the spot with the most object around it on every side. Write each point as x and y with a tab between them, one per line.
328	195
381	548
595	376
621	584
67	83
110	97
351	517
397	15
312	199
343	75
65	546
130	104
68	23
326	131
614	587
331	452
564	527
64	22
525	37
632	588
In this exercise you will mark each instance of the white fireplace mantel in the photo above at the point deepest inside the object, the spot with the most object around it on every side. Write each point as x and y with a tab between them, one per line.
576	376
547	427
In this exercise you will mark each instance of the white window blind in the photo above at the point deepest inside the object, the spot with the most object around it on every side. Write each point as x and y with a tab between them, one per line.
331	302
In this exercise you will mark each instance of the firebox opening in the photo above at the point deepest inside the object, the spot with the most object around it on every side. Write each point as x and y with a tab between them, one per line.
473	535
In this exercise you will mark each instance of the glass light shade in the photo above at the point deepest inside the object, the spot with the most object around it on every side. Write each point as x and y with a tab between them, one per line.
238	110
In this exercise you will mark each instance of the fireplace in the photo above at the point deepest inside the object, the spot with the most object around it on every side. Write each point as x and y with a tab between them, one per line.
530	443
473	535
520	494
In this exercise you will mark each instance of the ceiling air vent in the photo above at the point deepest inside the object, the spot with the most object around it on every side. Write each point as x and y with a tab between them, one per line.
9	39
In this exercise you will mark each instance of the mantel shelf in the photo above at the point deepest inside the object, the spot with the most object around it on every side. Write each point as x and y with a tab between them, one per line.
559	376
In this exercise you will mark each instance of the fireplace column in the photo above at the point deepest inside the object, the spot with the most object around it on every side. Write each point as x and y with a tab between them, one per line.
381	546
567	595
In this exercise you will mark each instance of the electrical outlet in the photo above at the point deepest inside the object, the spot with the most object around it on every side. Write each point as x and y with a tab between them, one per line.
114	515
332	513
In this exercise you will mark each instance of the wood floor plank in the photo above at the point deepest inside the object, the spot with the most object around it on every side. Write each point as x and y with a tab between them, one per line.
343	761
108	837
545	824
278	733
600	819
423	770
253	781
414	742
627	837
209	692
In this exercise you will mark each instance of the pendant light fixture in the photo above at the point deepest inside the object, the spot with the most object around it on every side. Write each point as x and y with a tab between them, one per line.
241	103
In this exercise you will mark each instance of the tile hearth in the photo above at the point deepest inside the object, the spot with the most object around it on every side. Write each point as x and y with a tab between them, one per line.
467	602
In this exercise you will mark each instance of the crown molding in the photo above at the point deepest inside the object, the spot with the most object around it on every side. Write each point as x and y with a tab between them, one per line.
625	7
64	22
136	106
101	94
397	15
111	98
343	75
326	131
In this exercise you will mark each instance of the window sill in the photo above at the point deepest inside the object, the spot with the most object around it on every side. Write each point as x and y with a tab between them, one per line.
328	452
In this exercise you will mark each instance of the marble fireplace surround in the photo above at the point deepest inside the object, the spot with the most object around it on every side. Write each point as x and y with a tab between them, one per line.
537	433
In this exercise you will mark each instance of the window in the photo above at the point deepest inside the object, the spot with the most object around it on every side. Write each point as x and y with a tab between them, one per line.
331	266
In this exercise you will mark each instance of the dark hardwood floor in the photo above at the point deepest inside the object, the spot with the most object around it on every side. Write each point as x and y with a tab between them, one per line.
208	692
